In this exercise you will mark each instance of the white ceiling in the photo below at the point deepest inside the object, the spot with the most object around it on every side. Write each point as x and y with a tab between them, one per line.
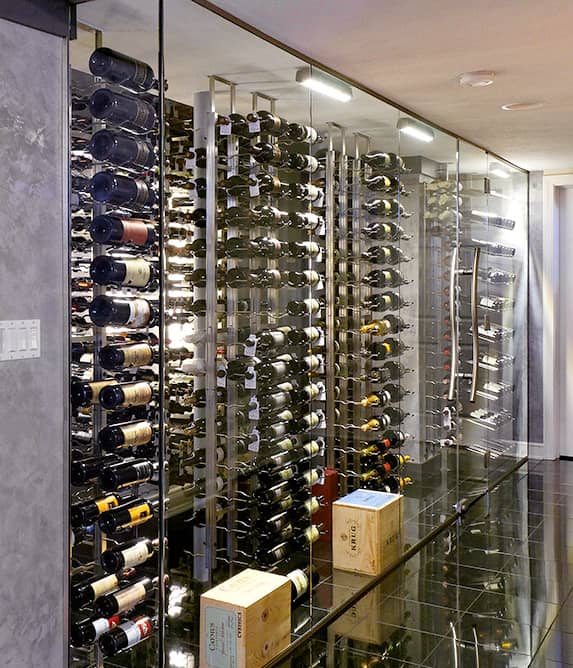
411	51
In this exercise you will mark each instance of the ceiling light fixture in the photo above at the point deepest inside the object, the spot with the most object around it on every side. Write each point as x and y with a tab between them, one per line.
499	170
522	106
415	129
323	83
477	78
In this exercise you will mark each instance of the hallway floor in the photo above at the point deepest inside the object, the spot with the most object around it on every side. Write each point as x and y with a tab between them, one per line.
493	591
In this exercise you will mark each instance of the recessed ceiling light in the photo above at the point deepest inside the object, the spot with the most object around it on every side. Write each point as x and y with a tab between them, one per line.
521	106
477	78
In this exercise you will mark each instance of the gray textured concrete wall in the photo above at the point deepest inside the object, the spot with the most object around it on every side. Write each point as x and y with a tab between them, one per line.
33	403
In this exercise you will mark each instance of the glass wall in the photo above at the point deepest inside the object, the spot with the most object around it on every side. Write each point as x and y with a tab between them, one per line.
316	265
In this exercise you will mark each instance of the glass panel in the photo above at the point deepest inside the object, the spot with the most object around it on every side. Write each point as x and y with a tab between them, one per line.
116	500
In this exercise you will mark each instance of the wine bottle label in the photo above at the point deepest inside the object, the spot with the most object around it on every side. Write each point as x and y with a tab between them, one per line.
139	514
312	192
104	625
135	555
139	354
311	477
105	585
130	597
313	306
276	188
310	135
287	474
97	387
286	502
137	394
311	506
142	194
299	580
311	163
279	552
312	448
134	231
312	534
137	630
138	433
139	313
106	503
137	273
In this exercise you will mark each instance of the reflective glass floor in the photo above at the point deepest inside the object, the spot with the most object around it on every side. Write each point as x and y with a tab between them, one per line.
492	591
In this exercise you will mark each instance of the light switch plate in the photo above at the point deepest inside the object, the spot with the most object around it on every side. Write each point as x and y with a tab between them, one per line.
19	339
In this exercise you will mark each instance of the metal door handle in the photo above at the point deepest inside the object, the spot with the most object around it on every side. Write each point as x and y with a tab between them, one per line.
453	325
475	338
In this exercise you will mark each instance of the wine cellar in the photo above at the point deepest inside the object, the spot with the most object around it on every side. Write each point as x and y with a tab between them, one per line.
287	298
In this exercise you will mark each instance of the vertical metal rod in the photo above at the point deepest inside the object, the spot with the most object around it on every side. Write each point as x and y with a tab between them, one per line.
162	455
330	308
211	337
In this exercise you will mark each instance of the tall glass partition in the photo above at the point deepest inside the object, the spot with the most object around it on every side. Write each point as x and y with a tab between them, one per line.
308	293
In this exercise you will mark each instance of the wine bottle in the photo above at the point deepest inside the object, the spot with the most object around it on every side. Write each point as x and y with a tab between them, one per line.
305	307
124	111
390	324
385	301
302	162
126	357
236	185
239	247
381	161
303	581
392	439
394	484
269	123
122	150
233	124
124	395
270	185
304	249
125	636
118	68
306	336
388	371
258	215
384	278
387	231
87	631
380	350
121	190
116	311
307	422
307	277
87	591
85	513
125	599
85	393
136	273
129	554
270	339
124	474
275	400
305	220
376	398
270	248
110	229
87	470
127	515
384	255
302	133
306	192
392	462
271	154
383	183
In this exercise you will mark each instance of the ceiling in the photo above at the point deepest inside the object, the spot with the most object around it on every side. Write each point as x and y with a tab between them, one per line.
417	65
411	51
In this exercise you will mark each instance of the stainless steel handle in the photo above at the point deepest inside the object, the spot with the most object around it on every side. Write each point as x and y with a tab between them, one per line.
475	338
453	325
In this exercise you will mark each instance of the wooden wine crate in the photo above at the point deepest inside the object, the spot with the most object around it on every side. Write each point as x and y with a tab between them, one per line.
366	531
375	616
245	621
